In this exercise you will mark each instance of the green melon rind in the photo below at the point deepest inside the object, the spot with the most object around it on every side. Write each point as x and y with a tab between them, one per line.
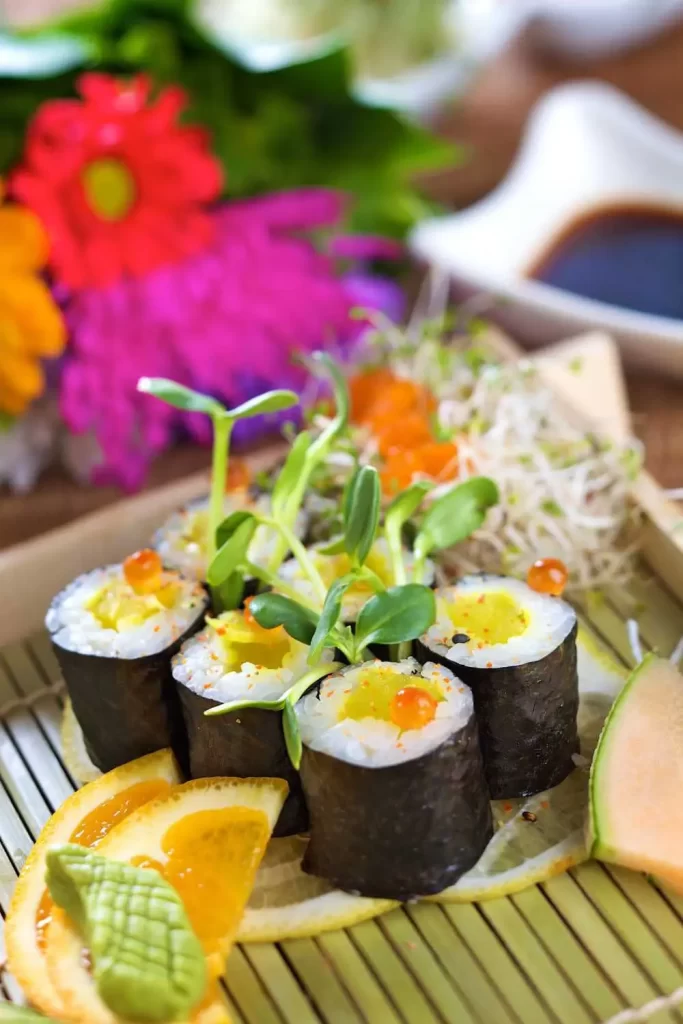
601	847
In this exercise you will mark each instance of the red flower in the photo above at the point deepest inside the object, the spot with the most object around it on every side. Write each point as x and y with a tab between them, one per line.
119	185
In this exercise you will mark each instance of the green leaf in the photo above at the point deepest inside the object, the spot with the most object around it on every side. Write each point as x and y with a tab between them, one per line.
291	472
179	396
329	616
397	614
405	505
271	401
232	552
334	547
322	364
229	594
290	726
361	513
228	526
271	610
455	516
243	705
144	952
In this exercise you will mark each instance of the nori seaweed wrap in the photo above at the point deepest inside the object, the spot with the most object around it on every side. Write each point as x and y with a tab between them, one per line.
235	659
245	744
396	811
114	648
516	650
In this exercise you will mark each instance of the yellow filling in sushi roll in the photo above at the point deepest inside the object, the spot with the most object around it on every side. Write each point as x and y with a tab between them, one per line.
118	607
377	693
491	617
243	640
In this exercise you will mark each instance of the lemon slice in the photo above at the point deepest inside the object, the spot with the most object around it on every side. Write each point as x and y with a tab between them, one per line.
287	903
542	836
85	818
207	838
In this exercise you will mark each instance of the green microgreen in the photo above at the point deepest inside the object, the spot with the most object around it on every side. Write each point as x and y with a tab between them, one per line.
223	421
285	705
453	517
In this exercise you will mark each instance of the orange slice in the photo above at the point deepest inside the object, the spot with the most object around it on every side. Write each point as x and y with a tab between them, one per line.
207	838
84	818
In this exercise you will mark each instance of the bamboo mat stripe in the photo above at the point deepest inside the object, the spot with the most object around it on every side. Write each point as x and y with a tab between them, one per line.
596	944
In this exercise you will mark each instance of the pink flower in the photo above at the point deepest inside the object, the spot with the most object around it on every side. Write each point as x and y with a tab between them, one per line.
226	321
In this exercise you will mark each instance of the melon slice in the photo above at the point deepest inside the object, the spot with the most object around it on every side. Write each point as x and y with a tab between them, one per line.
636	812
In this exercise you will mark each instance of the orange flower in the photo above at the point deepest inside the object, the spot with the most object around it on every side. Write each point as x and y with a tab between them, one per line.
31	326
435	460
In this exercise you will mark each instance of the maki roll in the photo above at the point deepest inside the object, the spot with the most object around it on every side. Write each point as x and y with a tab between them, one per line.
114	631
516	649
235	659
394	780
331	567
182	541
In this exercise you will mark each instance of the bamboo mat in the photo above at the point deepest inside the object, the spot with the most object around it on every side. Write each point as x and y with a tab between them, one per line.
582	948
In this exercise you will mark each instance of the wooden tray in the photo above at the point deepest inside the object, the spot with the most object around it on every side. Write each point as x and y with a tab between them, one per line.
582	948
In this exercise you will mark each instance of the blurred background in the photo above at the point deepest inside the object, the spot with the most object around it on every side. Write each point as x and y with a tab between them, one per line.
471	72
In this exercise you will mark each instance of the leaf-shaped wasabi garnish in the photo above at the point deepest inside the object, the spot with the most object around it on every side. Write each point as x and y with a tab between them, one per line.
148	964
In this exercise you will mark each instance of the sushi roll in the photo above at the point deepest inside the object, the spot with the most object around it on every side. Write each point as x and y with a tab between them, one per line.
516	649
235	659
331	567
393	778
114	631
182	540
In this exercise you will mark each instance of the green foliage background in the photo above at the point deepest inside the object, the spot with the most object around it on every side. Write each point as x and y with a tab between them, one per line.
294	126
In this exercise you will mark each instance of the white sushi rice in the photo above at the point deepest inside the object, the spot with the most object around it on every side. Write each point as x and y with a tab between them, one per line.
550	621
75	628
179	550
354	599
200	666
372	742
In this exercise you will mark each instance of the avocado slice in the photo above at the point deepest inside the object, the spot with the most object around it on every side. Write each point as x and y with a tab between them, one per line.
636	811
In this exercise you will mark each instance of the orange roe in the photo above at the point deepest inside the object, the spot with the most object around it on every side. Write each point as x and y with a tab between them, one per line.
239	475
143	571
436	460
397	400
412	708
364	388
548	576
399	434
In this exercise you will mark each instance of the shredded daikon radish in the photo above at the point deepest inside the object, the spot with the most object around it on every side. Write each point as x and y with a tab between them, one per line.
564	492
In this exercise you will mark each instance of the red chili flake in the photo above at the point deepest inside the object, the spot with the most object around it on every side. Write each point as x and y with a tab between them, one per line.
157	628
489	664
481	598
221	630
507	808
364	683
347	690
399	744
207	686
545	805
480	647
528	815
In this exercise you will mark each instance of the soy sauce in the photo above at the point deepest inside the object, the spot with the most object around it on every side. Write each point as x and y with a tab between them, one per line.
629	256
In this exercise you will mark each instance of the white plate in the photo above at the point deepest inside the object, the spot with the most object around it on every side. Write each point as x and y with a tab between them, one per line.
586	146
